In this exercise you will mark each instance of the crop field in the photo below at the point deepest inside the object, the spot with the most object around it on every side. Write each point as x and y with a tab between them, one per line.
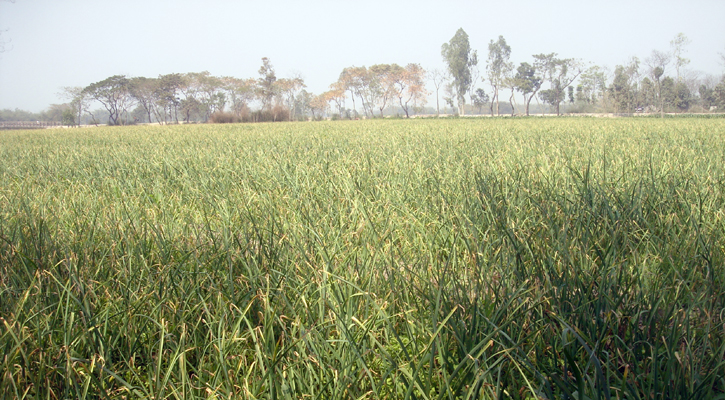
554	258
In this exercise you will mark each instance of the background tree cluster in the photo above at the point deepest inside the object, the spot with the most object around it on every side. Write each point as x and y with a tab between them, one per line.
556	81
202	97
659	83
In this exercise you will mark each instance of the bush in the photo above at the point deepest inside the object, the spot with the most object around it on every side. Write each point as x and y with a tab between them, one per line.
69	118
221	117
276	114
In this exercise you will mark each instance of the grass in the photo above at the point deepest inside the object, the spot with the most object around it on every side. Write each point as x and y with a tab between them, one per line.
425	259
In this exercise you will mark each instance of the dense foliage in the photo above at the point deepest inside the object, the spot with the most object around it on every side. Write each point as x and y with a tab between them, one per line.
519	258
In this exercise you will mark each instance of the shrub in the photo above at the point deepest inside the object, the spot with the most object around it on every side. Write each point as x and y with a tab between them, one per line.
221	117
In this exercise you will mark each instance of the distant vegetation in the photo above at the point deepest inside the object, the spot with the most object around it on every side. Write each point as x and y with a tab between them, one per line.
658	83
427	259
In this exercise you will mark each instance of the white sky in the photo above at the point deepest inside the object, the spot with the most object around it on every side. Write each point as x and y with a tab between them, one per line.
56	43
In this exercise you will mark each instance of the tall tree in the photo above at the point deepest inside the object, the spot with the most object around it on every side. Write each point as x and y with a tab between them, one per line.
345	83
438	78
527	82
593	82
358	82
560	73
318	104
337	95
460	58
193	105
209	92
240	92
167	96
78	100
409	86
113	93
648	93
498	66
707	96
657	63
144	91
719	93
480	99
678	49
683	97
266	80
383	78
289	88
624	86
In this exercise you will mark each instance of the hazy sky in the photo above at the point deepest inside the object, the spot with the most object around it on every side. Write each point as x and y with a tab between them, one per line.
56	43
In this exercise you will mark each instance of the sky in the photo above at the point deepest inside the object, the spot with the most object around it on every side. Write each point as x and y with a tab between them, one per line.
50	44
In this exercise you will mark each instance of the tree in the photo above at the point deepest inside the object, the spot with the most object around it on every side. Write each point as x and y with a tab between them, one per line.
449	94
358	81
678	49
240	93
624	85
318	104
707	96
719	93
289	88
438	79
190	104
345	83
383	79
657	62
302	102
668	93
59	113
144	91
409	86
68	117
527	82
498	67
460	58
593	82
648	90
209	93
266	88
167	96
620	89
480	99
560	73
337	95
683	97
79	101
113	93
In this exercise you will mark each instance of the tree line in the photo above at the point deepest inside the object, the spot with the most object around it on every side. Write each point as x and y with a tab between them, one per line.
637	86
658	83
202	97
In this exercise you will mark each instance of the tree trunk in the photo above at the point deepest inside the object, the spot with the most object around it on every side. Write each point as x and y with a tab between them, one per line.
438	107
404	107
511	102
495	95
352	96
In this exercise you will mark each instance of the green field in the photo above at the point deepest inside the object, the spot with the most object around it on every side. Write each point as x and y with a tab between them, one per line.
422	259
